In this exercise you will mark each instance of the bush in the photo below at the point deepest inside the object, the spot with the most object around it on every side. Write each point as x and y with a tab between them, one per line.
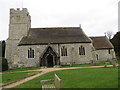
3	64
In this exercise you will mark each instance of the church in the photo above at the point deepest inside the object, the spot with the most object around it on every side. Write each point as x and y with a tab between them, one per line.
51	46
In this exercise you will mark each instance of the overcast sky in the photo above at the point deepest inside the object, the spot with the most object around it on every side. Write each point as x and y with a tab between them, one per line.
95	16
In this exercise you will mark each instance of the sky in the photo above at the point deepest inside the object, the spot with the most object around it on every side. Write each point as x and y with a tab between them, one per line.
95	16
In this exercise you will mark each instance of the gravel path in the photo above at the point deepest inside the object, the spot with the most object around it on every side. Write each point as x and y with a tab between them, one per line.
45	70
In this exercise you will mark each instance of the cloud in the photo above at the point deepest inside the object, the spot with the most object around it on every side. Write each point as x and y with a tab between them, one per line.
95	16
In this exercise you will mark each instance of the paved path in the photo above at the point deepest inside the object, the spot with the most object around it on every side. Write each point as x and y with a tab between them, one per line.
45	70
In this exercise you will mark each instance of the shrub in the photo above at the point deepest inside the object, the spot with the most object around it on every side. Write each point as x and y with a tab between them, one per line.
3	64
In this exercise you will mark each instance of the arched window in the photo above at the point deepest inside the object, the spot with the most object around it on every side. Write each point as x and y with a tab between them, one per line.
63	51
109	51
81	50
97	56
30	53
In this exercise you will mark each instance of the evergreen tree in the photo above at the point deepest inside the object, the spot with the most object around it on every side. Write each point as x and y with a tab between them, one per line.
116	43
2	48
3	61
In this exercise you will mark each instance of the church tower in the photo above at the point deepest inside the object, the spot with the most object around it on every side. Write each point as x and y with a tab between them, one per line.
19	24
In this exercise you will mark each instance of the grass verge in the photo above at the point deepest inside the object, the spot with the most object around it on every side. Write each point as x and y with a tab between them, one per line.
95	64
75	65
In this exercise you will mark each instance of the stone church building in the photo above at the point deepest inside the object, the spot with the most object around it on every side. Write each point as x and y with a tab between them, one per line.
52	46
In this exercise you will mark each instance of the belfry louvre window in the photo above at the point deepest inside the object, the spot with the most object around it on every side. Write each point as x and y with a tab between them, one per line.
30	53
81	50
18	18
63	51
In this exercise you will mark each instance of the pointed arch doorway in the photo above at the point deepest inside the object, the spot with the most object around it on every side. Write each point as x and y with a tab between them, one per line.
49	58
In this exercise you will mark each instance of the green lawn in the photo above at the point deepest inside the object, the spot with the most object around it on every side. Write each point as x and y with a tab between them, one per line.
80	78
22	69
82	65
76	65
10	77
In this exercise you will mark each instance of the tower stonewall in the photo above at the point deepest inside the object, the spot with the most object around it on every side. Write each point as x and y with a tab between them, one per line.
19	24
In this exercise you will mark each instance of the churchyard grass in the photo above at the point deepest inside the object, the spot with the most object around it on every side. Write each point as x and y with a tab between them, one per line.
75	65
11	77
105	77
82	65
22	69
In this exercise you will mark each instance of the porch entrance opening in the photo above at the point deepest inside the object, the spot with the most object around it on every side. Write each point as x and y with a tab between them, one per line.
49	60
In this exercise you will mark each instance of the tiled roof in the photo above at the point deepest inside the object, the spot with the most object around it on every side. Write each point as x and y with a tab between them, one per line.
55	36
101	42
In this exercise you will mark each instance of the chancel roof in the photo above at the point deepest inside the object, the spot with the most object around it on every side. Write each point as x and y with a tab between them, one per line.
101	42
55	35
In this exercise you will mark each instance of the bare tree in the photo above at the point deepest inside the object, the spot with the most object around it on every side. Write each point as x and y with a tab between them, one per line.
109	34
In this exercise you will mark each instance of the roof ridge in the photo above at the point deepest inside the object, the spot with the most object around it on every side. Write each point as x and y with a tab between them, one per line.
54	27
96	36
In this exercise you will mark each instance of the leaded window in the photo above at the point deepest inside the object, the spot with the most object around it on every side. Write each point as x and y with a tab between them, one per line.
63	51
30	53
81	50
